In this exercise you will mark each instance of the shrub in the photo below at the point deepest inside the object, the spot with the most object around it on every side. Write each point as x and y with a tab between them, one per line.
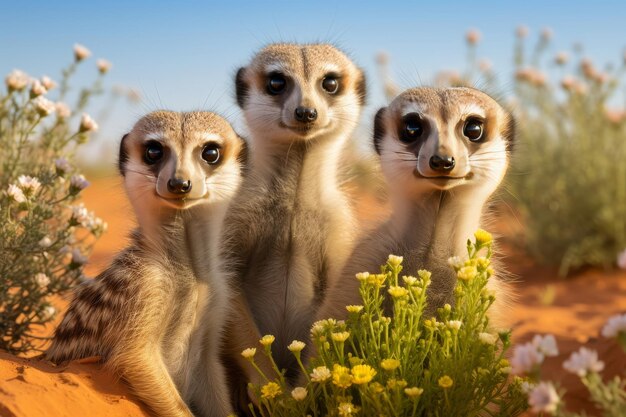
404	364
45	236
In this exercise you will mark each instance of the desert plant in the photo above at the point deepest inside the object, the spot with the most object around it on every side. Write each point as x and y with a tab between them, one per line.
544	397
398	362
45	236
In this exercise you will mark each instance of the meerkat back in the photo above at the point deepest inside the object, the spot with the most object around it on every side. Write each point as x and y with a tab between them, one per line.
291	228
155	314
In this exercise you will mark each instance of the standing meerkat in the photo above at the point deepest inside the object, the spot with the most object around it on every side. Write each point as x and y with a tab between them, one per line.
443	152
155	316
291	227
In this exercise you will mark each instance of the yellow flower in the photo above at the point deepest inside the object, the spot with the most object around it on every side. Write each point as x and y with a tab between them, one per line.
299	393
394	260
248	353
410	280
296	346
467	273
340	336
341	376
362	374
270	390
445	382
396	383
483	237
347	409
354	309
267	340
376	279
376	387
397	292
482	263
413	392
320	374
389	364
424	274
487	338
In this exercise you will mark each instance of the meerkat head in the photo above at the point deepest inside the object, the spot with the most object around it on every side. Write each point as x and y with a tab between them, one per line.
178	160
442	139
300	92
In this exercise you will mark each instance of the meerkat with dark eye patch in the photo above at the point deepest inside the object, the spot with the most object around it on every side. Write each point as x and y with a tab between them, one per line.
291	228
156	315
443	152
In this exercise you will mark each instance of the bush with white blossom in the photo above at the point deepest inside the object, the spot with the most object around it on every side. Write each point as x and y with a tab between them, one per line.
45	236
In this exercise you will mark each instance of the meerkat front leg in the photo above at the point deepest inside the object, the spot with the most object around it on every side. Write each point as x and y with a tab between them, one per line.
143	369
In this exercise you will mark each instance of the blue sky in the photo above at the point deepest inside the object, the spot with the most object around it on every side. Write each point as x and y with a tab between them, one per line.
183	55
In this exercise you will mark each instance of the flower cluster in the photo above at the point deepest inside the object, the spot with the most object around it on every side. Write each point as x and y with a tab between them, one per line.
42	248
407	359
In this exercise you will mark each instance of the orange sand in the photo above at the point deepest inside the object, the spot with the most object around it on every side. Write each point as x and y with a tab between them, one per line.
580	306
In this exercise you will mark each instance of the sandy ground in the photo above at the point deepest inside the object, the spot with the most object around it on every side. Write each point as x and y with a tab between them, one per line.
574	310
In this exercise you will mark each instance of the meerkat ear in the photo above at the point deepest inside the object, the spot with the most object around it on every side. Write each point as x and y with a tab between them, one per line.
361	88
379	128
241	87
123	156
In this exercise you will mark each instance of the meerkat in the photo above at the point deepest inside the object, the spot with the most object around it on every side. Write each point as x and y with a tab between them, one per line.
156	314
443	153
291	228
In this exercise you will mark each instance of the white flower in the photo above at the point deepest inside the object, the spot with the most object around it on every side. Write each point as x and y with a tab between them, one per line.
546	345
395	260
525	358
87	124
80	215
296	346
455	262
16	193
621	259
48	82
583	361
16	80
44	106
48	312
487	338
28	184
615	326
77	257
63	110
81	52
299	393
37	89
103	66
543	398
455	324
62	165
521	31
320	374
45	242
42	280
78	182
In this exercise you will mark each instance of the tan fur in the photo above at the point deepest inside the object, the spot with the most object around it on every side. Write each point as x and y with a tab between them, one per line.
156	314
291	227
432	218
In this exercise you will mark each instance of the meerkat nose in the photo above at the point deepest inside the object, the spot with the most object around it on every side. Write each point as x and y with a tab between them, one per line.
442	163
305	114
178	186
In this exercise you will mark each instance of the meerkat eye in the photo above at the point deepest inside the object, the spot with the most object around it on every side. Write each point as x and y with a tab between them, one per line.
330	83
154	152
276	83
413	128
473	129
211	153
